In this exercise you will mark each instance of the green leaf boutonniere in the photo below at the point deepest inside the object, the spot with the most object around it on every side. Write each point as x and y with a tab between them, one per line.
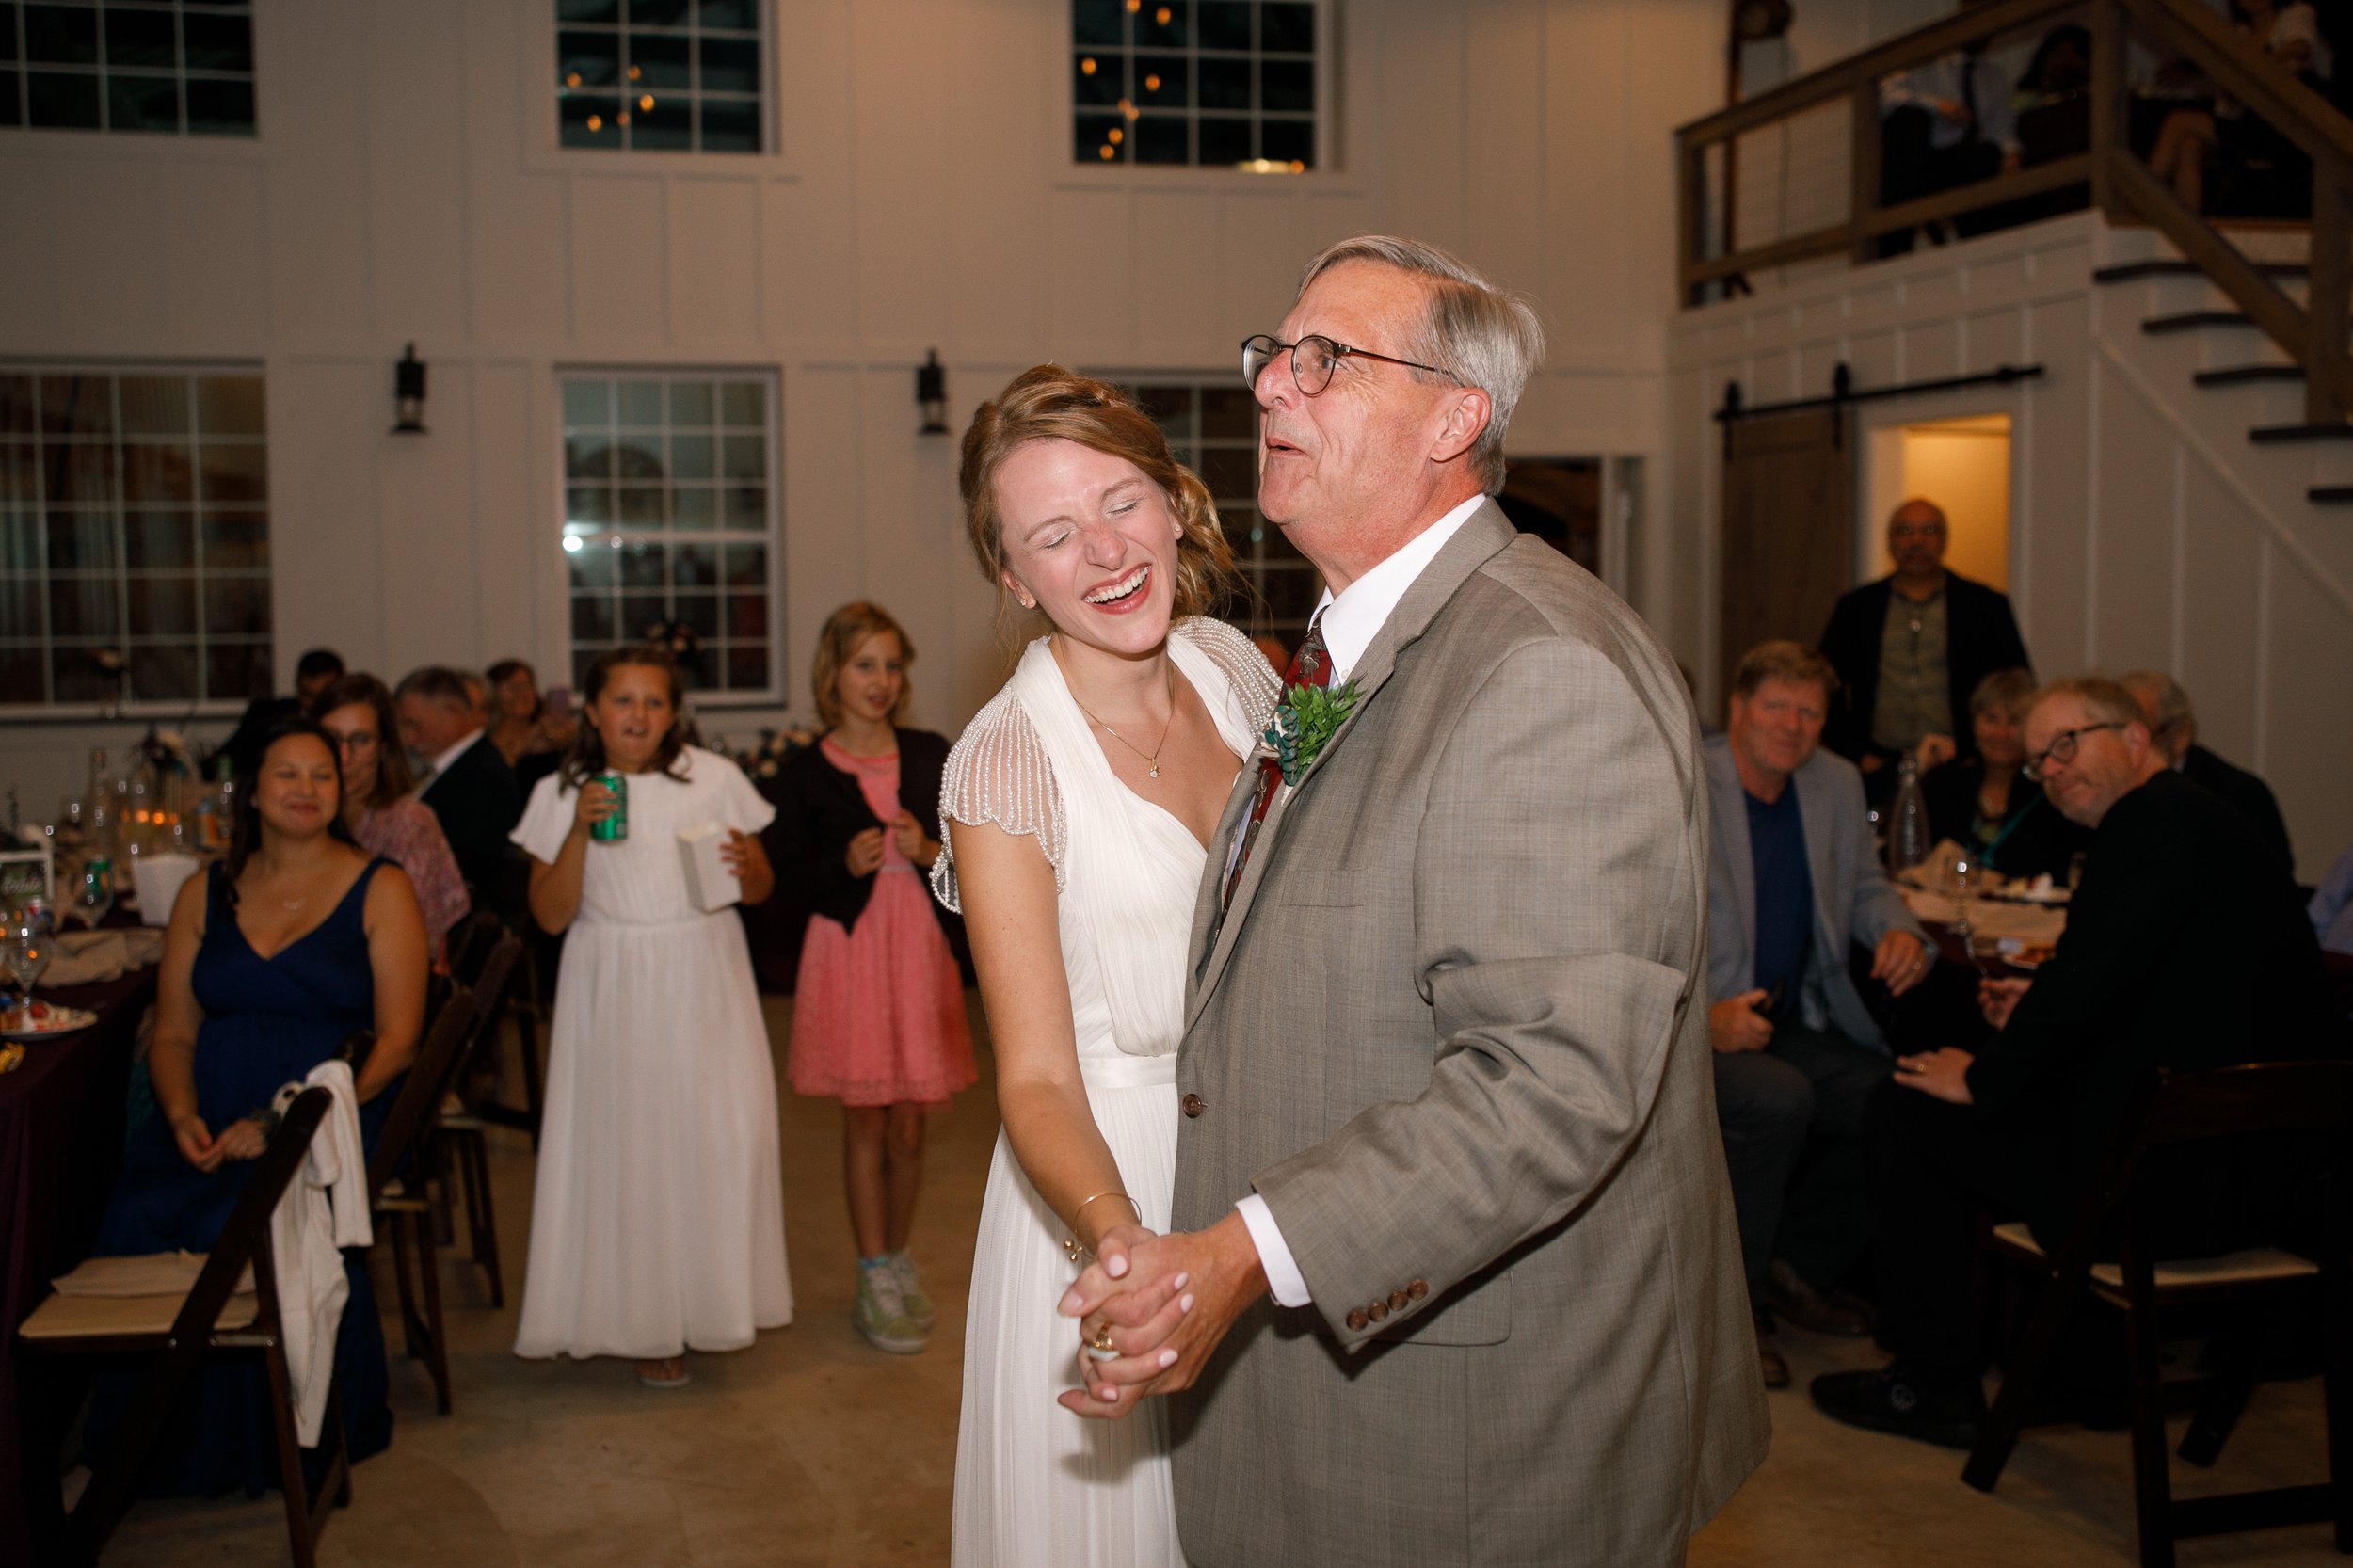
1304	724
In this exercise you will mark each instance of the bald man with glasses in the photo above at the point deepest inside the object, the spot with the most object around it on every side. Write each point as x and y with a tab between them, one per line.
2183	949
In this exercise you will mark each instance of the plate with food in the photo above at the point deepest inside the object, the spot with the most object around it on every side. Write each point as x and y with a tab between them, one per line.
37	1020
2024	956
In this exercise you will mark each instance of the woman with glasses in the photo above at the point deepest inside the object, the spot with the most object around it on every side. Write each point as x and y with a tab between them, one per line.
383	817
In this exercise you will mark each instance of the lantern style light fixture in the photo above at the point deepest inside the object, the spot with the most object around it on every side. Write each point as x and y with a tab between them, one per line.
409	394
931	393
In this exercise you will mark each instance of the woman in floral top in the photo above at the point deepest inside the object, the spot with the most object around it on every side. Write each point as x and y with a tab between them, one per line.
358	711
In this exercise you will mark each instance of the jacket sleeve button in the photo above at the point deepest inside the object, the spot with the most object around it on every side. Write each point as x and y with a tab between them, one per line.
1397	1299
1420	1288
1192	1105
1378	1312
1356	1320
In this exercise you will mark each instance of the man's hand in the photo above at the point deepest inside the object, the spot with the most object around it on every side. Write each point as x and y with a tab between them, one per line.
1735	1024
1901	959
1941	1073
1998	998
1164	1305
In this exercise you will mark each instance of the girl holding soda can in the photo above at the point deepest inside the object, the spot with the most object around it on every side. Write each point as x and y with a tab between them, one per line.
657	1226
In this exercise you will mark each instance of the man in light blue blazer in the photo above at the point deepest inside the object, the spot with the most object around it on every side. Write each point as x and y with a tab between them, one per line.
1792	881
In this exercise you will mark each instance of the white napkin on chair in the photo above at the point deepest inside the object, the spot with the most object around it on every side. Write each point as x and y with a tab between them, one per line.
325	1210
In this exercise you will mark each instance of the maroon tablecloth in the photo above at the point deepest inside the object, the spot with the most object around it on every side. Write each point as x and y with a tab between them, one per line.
61	1145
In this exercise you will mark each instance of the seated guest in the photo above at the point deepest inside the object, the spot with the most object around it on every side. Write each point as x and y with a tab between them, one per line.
470	787
2182	951
1911	647
314	673
357	712
1944	124
1792	881
2331	907
2173	729
531	738
1981	802
293	943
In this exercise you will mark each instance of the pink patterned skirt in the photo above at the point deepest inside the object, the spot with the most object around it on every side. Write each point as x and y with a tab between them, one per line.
878	1012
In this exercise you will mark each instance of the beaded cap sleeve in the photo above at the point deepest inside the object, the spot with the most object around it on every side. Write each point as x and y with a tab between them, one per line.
1237	659
999	774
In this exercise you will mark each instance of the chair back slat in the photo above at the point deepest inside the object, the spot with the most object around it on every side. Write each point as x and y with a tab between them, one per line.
2252	1100
412	1112
472	944
245	1235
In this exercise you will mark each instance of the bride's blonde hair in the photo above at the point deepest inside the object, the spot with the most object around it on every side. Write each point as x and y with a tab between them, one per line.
1048	403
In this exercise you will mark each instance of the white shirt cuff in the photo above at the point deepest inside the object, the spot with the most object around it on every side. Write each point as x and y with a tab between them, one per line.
1283	1279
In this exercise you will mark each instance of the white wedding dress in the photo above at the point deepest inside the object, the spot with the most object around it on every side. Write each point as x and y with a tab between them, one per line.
1036	1486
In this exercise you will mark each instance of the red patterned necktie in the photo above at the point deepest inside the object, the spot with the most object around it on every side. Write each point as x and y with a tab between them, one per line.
1310	667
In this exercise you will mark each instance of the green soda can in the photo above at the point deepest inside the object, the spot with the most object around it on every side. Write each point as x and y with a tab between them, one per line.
616	825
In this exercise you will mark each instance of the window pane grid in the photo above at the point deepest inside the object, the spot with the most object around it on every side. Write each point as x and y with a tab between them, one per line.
1211	82
110	594
1212	428
136	66
669	508
660	75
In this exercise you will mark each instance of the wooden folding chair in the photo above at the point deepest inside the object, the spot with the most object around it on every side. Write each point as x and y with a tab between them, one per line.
458	1133
397	1176
2277	1100
177	1335
520	999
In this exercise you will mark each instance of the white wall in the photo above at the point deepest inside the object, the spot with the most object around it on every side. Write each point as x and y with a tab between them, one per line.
406	185
2146	528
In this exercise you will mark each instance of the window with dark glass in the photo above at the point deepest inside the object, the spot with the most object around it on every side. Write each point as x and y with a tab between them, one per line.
166	66
133	538
661	75
1212	427
670	520
1217	82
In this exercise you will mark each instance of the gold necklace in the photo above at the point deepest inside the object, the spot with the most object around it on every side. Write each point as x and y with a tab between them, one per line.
1153	757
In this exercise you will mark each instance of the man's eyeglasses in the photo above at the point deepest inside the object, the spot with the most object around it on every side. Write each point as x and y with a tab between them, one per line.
1313	359
2062	749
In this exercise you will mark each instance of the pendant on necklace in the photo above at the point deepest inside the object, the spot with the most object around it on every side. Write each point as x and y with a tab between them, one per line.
1154	774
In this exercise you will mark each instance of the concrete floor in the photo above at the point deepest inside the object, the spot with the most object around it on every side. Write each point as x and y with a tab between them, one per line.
810	1449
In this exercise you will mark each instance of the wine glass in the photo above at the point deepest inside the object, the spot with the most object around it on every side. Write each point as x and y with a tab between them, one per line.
94	893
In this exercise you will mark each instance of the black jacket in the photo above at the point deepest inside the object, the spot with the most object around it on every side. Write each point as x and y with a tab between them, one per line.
2246	794
478	803
2186	949
820	810
1981	636
2035	838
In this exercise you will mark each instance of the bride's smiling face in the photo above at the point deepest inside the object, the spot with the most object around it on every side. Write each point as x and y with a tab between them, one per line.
1090	539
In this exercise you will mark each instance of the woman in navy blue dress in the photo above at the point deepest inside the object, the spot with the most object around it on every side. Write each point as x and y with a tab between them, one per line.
271	961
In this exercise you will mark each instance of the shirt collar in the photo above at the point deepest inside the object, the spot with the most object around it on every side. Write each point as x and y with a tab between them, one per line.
1351	619
441	763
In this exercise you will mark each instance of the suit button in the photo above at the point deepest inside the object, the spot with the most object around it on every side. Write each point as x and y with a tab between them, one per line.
1418	1289
1192	1105
1397	1299
1356	1320
1378	1312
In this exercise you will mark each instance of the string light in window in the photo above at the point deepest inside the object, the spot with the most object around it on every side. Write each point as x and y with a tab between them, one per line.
1086	66
572	80
1152	83
596	122
1117	135
1161	16
1107	153
646	103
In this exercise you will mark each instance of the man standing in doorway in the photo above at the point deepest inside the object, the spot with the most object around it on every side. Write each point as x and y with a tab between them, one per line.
1910	649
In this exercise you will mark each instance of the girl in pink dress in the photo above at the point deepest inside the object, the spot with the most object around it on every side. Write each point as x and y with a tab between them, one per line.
878	1012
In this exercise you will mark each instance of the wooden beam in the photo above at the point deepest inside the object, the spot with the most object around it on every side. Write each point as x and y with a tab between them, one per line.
2329	303
1863	187
1799	247
2111	110
2057	174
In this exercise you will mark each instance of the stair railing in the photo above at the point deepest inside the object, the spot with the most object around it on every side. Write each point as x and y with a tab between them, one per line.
2314	334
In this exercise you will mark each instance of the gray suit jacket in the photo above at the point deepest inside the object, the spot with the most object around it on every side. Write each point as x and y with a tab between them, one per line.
1454	1029
1854	900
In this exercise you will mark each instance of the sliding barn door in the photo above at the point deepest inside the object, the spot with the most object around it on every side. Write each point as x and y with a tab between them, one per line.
1788	530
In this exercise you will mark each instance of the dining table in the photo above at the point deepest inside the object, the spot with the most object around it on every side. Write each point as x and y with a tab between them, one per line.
61	1127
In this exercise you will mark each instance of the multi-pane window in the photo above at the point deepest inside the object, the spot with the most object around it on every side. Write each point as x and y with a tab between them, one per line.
133	536
165	66
1213	430
1217	82
679	75
669	519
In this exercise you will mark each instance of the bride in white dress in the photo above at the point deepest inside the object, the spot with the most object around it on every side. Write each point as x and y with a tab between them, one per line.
1078	803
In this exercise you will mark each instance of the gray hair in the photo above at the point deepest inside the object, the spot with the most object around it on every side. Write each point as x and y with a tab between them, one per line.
2166	706
1473	331
2106	700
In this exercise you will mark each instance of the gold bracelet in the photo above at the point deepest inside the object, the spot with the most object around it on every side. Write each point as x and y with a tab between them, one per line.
1070	1243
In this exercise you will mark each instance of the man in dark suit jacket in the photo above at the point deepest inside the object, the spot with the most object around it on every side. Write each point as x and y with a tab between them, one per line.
318	669
1911	647
471	790
2174	729
2183	950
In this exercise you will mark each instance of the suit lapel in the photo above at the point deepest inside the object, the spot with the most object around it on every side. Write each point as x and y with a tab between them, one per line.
1732	823
1814	822
1480	538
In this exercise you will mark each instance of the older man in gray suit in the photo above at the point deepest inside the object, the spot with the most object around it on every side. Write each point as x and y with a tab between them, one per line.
1446	1081
1793	882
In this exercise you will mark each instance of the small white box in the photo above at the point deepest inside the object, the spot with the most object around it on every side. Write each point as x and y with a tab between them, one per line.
709	883
158	879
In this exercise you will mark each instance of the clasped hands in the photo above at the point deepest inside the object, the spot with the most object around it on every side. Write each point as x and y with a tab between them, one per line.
1944	1073
1163	1304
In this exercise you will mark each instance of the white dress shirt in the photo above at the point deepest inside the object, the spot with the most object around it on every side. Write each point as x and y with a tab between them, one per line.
1350	621
439	765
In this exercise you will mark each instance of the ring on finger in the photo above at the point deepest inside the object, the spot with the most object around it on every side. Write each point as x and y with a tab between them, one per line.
1100	1346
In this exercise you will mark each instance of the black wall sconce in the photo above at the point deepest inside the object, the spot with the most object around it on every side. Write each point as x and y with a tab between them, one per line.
409	394
931	393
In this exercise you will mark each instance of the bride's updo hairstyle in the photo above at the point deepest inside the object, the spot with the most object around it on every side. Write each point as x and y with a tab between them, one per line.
1048	403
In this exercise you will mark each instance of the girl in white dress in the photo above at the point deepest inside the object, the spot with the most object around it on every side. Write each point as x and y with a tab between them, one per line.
1078	805
658	1220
